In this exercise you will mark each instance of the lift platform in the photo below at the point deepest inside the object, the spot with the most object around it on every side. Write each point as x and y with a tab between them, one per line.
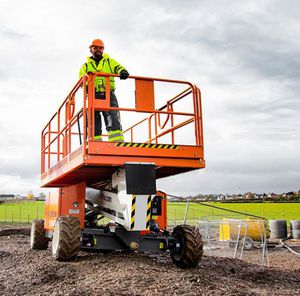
153	133
162	125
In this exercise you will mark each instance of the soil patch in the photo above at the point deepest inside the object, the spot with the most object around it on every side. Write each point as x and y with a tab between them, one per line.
30	272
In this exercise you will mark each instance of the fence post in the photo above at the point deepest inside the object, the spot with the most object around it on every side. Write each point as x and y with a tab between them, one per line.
186	211
28	217
193	216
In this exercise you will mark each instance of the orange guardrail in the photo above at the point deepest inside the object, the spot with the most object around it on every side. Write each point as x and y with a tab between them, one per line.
72	125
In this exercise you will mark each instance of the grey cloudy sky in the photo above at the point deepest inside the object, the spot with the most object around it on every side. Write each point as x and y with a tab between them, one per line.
244	55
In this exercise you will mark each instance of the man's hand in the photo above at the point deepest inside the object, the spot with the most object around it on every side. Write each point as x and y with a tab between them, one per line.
124	74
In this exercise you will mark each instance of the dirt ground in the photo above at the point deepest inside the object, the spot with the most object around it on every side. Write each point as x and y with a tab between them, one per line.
29	272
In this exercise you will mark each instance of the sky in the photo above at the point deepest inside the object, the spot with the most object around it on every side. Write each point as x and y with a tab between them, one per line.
243	55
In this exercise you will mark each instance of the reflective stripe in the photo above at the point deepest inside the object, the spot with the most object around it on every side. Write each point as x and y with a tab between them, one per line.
115	132
98	138
116	139
116	69
115	136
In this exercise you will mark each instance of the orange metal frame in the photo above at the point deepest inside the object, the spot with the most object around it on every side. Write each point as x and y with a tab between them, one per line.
162	219
73	204
93	162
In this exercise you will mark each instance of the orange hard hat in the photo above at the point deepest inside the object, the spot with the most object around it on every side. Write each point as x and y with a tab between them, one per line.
97	42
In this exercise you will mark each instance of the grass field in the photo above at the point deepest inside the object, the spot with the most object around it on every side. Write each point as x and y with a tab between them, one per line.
27	211
285	211
22	211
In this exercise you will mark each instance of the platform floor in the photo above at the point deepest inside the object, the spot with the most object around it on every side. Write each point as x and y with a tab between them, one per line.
102	159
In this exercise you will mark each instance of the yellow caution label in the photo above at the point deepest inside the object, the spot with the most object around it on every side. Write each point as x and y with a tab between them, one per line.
148	215
133	205
147	145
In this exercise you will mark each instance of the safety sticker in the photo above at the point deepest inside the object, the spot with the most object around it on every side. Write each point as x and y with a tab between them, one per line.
147	145
133	204
148	212
73	211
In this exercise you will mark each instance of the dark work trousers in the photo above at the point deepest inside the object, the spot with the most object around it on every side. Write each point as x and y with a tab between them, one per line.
111	118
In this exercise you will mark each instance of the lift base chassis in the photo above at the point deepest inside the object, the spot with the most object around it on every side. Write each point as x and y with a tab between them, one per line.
94	239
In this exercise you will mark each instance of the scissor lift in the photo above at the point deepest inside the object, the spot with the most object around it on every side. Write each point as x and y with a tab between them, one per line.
117	180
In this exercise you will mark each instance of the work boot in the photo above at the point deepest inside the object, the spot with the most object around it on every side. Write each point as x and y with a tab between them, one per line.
115	136
98	138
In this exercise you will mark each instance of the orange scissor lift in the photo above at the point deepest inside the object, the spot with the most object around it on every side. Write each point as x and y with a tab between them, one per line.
117	180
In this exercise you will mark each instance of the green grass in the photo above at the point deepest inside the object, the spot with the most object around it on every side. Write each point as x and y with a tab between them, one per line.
271	211
25	212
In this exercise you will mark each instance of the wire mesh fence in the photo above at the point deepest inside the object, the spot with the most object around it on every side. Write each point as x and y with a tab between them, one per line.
236	238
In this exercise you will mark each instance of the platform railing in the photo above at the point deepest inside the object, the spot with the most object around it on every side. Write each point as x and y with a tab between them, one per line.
56	137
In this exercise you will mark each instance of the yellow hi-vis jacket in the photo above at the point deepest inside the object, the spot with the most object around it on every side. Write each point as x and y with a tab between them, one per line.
106	65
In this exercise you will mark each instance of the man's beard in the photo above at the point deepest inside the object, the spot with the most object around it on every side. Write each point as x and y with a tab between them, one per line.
97	55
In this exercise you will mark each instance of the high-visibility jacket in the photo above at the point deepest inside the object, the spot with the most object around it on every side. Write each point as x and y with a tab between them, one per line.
105	65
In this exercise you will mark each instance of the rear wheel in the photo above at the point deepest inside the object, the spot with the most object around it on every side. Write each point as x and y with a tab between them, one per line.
189	246
66	238
38	240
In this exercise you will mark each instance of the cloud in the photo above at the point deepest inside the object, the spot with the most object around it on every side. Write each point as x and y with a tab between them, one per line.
243	57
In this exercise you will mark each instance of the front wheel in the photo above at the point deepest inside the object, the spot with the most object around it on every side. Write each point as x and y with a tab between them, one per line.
189	246
66	238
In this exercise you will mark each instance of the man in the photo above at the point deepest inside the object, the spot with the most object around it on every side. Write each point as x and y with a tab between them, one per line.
101	62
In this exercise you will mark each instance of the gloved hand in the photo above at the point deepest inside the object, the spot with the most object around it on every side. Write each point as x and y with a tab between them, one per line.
124	74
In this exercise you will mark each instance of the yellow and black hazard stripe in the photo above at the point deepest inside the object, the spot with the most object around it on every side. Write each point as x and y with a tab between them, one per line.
147	145
133	204
148	216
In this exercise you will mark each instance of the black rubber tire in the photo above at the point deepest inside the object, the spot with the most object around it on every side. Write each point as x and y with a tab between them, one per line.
66	238
191	249
38	240
248	243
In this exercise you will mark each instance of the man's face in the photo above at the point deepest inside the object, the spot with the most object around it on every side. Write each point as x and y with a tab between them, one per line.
97	51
